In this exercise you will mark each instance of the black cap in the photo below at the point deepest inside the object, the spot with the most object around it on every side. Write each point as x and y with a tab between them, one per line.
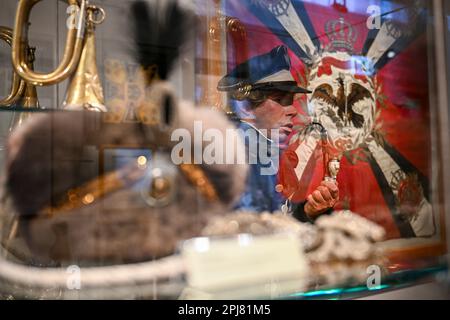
270	71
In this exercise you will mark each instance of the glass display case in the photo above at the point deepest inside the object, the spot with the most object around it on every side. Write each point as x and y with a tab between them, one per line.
223	149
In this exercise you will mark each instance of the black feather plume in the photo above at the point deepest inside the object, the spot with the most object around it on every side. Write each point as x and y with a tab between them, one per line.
160	30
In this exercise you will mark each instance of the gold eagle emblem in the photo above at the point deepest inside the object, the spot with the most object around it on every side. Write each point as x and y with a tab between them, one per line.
344	103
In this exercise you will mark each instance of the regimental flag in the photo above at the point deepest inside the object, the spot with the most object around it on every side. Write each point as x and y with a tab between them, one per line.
370	92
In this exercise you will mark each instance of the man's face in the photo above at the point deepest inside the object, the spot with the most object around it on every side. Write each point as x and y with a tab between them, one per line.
276	112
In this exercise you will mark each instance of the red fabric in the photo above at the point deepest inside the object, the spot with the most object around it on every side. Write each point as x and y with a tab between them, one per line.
341	7
287	177
360	192
320	15
328	62
405	82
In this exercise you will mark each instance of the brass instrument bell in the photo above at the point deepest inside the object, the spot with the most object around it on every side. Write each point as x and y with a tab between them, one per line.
85	90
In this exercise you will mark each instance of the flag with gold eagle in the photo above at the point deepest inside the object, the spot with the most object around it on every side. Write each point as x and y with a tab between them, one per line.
366	63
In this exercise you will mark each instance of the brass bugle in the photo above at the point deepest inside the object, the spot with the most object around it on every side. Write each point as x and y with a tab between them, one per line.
78	61
18	85
22	94
72	49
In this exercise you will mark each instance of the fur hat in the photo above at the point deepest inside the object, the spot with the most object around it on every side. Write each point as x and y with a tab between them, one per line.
75	203
55	153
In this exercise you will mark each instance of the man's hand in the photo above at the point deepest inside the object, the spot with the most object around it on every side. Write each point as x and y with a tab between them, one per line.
323	198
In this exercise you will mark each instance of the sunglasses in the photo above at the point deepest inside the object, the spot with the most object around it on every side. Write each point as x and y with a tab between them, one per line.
285	99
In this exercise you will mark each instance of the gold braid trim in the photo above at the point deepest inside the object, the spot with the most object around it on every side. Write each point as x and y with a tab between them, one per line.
197	177
98	188
87	194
